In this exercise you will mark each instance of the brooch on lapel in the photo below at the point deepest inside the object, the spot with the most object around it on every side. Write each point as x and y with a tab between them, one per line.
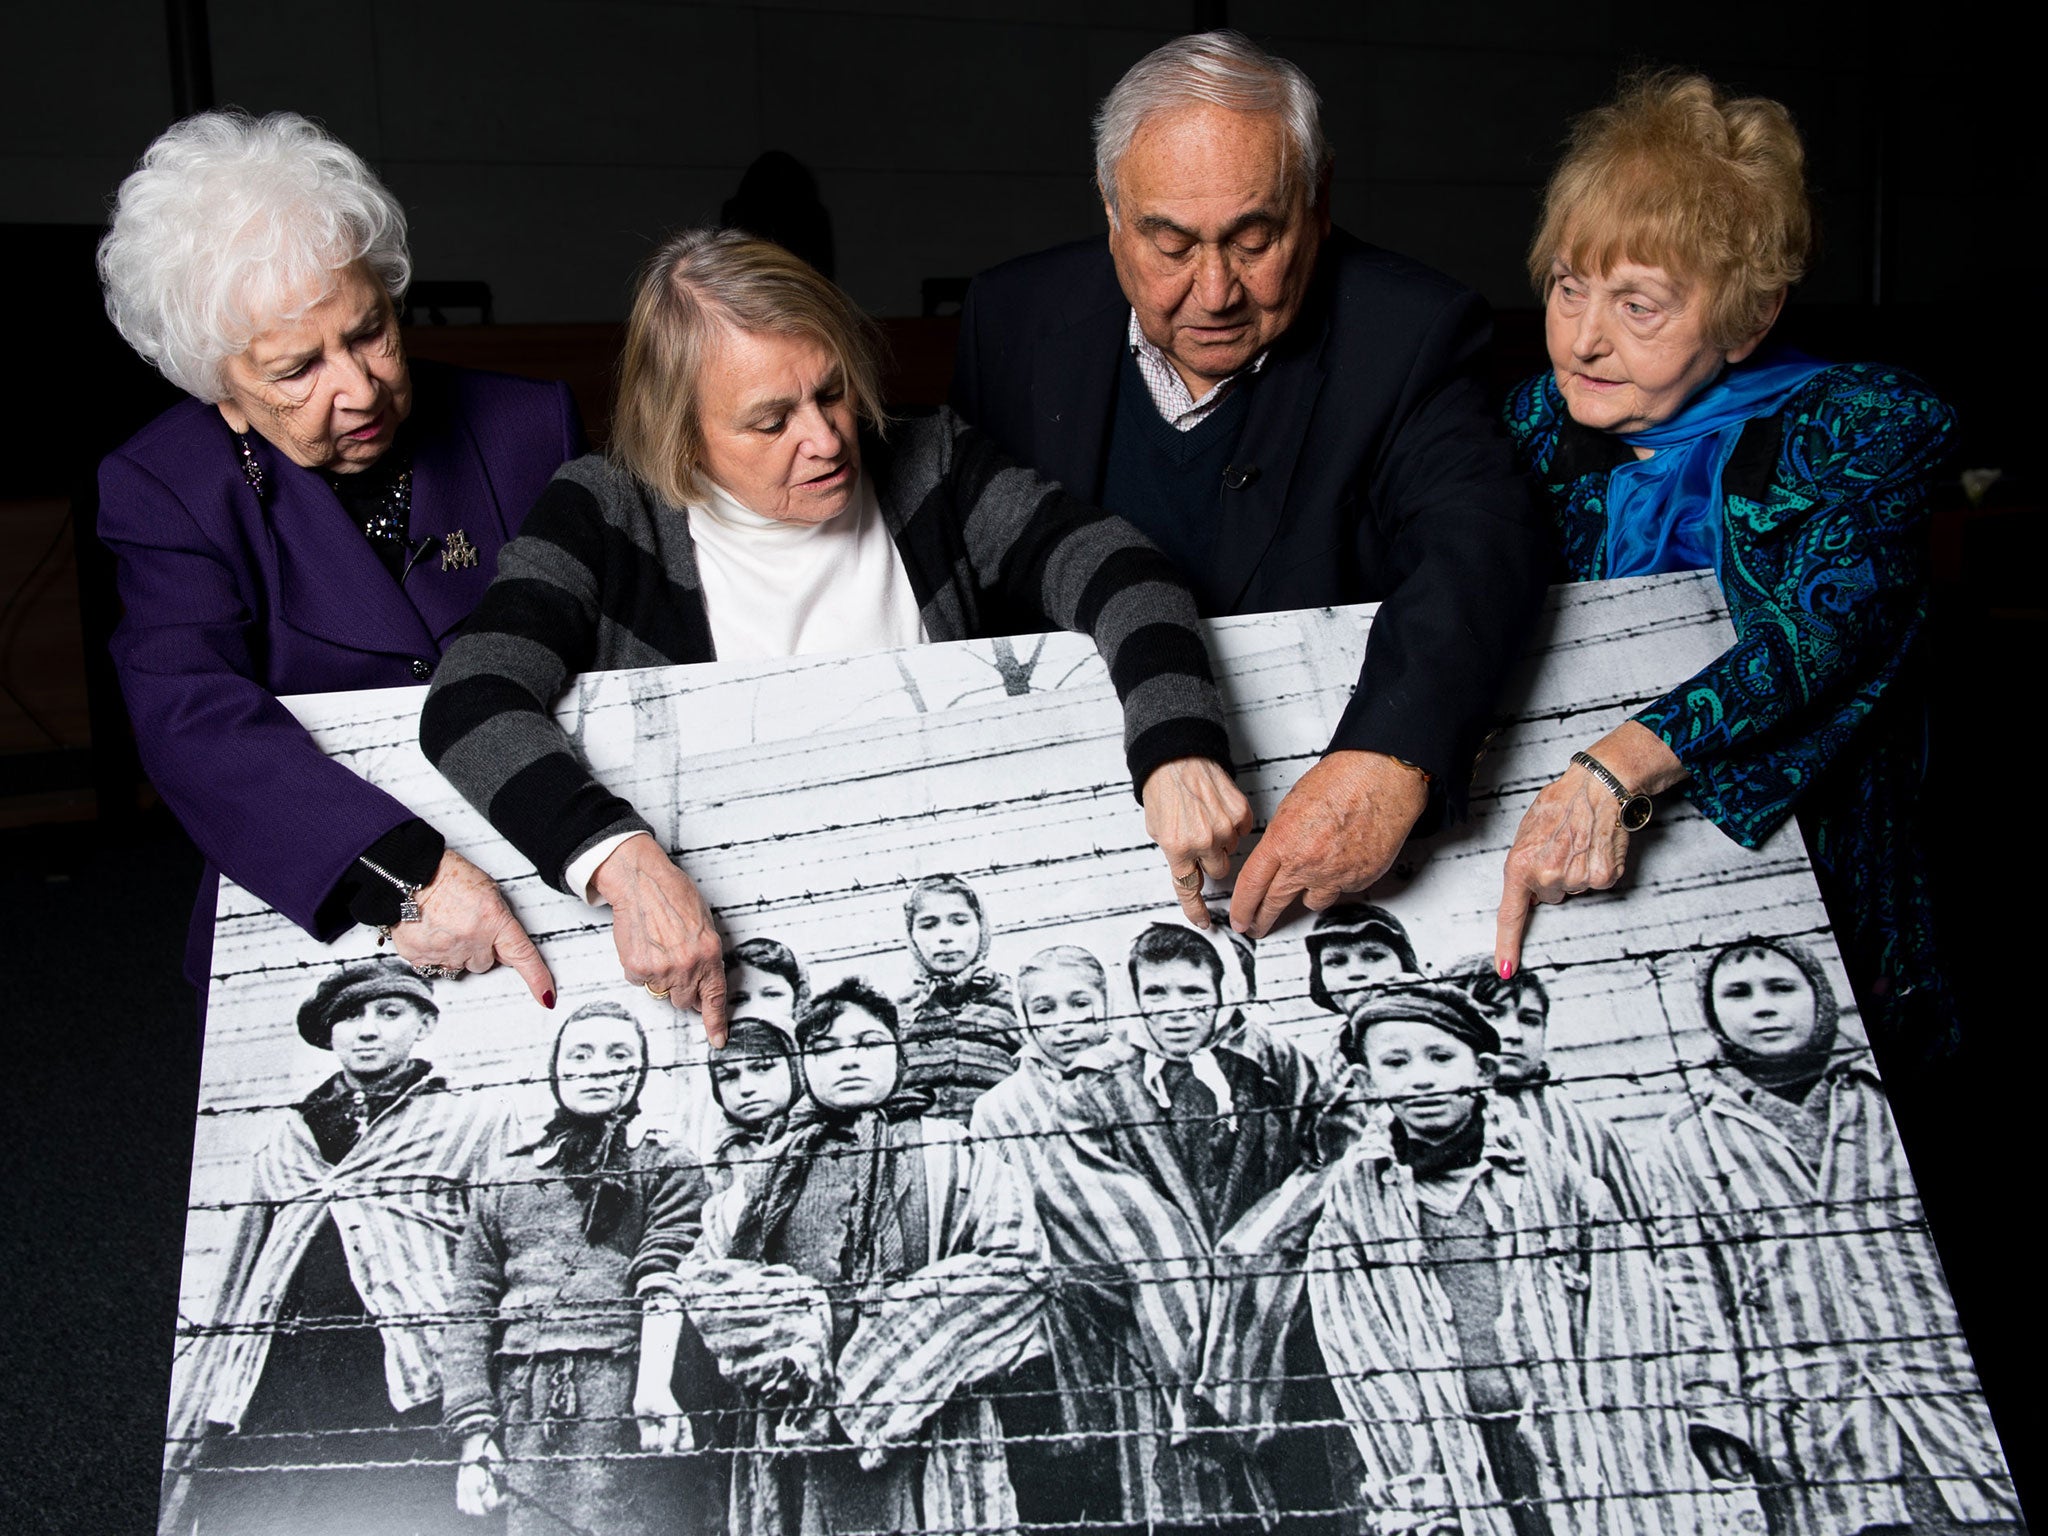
457	553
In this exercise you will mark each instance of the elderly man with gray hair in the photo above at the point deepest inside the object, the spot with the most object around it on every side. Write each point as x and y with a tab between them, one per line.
1294	416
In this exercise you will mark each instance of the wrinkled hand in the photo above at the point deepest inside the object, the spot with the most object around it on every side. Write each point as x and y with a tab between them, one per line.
1337	832
1570	840
665	934
663	1425
479	1486
1196	814
465	925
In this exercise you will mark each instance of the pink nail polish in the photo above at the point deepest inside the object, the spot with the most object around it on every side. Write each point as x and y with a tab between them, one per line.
1507	970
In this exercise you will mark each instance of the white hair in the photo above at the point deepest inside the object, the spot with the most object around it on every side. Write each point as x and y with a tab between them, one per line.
226	221
1221	69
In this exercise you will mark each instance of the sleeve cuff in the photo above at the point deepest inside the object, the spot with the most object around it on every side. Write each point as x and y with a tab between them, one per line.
411	850
1172	740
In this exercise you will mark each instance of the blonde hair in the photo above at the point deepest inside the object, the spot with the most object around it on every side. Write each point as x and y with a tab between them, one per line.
1673	173
696	281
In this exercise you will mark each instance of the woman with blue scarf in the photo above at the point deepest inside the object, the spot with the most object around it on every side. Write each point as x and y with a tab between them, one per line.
1667	437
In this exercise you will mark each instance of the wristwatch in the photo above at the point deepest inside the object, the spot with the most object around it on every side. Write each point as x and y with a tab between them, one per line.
1635	807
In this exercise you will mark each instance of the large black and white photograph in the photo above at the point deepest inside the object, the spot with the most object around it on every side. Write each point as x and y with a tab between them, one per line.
1019	768
1017	1200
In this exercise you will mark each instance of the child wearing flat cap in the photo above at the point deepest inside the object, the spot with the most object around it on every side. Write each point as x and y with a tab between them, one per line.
328	1344
1470	1297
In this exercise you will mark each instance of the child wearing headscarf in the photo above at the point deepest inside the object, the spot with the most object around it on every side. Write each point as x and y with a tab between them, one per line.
1821	1343
754	1078
873	1267
960	1035
1063	1003
753	1082
555	1321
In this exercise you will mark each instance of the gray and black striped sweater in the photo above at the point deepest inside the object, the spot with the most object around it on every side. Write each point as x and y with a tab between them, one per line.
604	575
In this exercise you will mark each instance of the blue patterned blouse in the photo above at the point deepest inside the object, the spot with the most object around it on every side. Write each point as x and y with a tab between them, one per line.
1824	566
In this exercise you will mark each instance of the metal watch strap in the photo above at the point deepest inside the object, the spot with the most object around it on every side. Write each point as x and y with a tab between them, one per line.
408	895
1635	807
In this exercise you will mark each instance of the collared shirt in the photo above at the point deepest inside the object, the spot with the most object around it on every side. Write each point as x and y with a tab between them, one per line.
1170	393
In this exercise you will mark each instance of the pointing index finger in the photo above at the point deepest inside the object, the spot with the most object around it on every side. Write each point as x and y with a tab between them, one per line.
711	1008
1515	905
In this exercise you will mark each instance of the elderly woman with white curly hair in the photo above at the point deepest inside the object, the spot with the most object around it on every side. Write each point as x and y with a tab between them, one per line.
318	516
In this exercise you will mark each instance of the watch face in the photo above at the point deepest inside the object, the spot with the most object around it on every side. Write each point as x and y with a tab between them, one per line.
1635	813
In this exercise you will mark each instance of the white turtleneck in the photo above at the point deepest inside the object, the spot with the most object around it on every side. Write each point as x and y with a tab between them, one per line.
790	589
795	589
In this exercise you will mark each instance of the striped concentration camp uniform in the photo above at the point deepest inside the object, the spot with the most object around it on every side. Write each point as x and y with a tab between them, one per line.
967	1309
1581	1136
1817	1326
1572	1319
399	1198
1133	1235
337	1285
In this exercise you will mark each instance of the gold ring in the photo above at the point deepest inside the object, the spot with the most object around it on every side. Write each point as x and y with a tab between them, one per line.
1191	881
654	991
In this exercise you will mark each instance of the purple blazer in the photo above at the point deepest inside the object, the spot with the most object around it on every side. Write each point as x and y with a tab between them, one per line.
231	602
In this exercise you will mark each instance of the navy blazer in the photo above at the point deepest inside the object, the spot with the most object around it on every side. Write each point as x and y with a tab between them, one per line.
1382	473
231	601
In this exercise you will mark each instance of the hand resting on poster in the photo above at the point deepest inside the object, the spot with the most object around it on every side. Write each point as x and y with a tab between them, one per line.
1337	831
1571	839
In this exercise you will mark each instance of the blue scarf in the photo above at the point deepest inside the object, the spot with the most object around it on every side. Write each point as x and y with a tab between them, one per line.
1664	512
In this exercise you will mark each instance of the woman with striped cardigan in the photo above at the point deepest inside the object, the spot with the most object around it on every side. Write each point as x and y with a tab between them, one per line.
755	502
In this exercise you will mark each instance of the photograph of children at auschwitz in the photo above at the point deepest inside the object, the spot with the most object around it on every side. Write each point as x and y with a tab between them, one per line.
1016	1201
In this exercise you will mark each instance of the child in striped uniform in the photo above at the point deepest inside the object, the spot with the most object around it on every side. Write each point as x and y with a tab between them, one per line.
1823	1346
1062	1460
1173	1133
1519	1010
328	1349
960	1034
1471	1295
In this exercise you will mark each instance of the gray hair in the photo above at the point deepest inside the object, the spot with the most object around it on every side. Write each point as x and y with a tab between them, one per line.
228	219
1222	69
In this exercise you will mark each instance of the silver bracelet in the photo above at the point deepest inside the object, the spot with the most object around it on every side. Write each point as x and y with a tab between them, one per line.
408	897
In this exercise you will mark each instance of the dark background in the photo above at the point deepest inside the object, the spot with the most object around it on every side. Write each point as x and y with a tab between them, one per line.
541	146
